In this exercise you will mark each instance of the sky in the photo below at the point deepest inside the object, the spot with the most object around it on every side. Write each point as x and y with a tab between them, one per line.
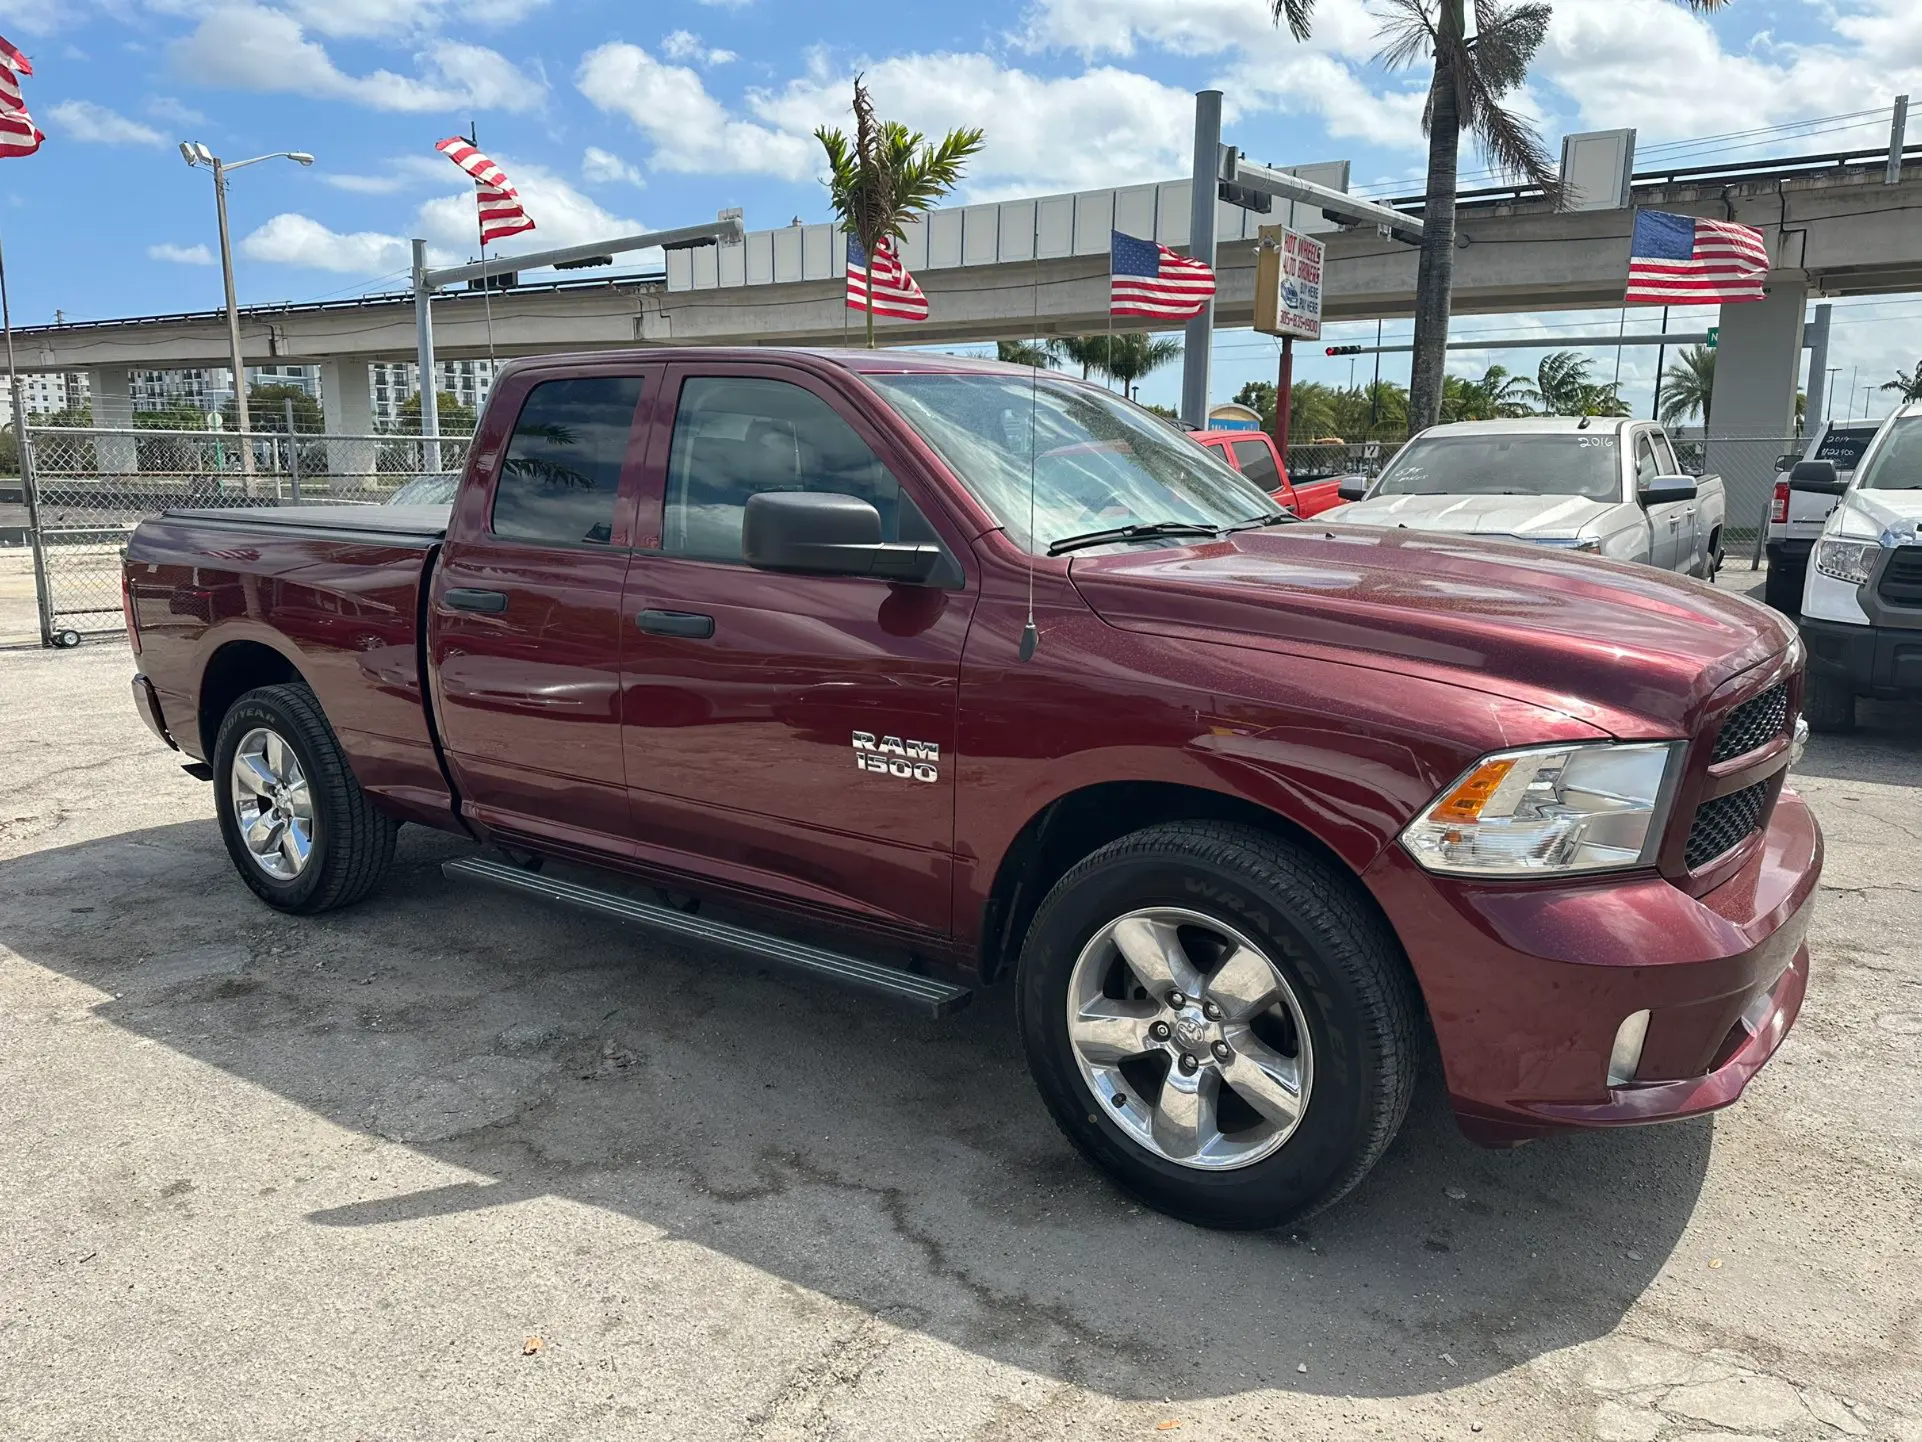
613	118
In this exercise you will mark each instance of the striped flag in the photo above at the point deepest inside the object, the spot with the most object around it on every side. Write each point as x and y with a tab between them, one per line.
1679	260
894	290
1149	279
497	202
18	134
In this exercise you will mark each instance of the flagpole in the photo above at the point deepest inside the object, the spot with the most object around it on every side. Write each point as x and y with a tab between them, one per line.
30	491
487	289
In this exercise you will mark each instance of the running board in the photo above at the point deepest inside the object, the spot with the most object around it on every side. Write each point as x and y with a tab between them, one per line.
929	997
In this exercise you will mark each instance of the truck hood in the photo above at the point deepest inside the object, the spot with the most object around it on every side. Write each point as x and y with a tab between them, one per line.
1630	649
1868	515
1540	517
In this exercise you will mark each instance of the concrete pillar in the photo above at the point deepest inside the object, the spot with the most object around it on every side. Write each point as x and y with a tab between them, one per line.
1758	362
1818	386
347	408
112	401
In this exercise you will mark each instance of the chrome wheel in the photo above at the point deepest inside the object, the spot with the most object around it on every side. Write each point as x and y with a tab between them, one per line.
272	804
1191	1038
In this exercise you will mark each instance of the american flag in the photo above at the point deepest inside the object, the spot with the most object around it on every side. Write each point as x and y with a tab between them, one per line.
1679	260
18	134
1149	279
496	200
895	292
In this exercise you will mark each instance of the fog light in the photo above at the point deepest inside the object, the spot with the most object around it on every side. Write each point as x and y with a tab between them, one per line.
1801	741
1627	1054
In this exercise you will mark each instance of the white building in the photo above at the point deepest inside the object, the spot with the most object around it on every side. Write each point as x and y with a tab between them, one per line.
44	392
393	384
212	388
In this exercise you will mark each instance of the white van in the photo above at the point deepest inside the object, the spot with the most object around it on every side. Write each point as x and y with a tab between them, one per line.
1862	599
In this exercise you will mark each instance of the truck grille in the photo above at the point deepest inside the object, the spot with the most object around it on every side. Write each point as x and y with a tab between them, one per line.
1902	577
1753	724
1725	823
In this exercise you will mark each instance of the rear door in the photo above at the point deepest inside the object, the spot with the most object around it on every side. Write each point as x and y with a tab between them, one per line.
788	733
526	615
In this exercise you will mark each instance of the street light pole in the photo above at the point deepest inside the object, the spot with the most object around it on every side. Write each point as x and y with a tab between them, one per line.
197	154
243	421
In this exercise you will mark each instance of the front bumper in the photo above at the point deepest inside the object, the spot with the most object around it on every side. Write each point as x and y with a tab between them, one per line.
1527	984
1869	660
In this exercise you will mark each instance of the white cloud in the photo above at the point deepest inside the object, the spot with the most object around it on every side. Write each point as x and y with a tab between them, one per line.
691	131
248	47
401	17
603	167
165	107
366	184
181	254
686	45
291	239
1193	27
96	125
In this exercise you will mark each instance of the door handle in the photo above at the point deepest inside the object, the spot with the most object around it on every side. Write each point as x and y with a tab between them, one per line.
677	623
466	598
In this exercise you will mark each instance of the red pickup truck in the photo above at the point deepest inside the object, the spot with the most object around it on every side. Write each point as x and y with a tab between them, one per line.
933	674
1253	453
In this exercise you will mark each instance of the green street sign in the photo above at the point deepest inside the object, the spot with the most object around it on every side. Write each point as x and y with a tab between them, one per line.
1714	336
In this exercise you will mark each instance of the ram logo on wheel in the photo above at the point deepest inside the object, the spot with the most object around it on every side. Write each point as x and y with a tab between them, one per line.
892	756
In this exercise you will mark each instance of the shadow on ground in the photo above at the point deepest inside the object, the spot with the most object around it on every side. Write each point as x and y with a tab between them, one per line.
905	1167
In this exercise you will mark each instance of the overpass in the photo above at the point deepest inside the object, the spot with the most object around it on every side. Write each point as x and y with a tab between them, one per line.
1836	226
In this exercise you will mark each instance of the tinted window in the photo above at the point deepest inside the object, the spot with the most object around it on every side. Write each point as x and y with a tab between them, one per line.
1258	464
1896	464
1665	455
1844	447
735	438
563	464
1647	468
1496	463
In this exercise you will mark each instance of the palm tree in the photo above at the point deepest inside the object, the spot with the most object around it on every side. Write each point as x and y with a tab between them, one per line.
1472	72
1498	395
1907	384
1086	351
1037	353
888	175
1688	386
1125	356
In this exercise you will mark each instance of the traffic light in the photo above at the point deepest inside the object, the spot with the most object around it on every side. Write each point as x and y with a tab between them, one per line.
1344	350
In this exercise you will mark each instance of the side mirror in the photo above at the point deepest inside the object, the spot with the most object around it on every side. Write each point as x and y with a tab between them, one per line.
1820	477
818	534
1664	489
1353	488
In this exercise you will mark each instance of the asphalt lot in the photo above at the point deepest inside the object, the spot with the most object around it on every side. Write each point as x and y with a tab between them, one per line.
448	1165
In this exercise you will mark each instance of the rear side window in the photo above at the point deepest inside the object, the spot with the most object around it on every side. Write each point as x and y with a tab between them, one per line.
562	470
1257	463
736	437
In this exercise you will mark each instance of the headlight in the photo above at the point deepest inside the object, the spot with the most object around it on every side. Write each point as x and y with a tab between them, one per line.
1549	811
1849	561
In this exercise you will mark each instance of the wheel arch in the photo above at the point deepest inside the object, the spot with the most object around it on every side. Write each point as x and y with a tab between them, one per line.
1082	821
232	670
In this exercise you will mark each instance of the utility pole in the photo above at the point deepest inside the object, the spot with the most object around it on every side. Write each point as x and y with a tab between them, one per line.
1897	127
424	360
1195	357
243	422
1818	362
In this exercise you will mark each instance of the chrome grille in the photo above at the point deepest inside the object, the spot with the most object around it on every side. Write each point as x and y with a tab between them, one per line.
1725	823
1753	724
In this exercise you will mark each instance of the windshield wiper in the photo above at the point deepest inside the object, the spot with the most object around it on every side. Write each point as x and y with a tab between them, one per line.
1255	523
1141	531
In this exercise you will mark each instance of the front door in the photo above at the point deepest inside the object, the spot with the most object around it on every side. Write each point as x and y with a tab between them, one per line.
526	618
1665	521
787	733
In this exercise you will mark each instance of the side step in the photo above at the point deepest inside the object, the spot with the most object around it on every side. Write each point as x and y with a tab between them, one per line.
929	997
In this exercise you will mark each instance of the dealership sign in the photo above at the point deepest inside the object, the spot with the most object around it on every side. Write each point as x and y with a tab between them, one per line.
1288	283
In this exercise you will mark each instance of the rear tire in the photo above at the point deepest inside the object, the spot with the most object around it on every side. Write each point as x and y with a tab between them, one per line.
1827	703
301	832
1783	587
1346	1020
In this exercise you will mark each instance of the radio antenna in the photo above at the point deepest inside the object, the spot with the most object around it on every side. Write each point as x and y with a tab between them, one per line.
1030	637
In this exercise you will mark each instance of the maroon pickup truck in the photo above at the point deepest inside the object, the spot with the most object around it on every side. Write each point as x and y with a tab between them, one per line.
929	675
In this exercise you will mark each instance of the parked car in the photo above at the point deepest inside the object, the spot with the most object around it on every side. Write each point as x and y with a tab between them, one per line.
1253	453
1862	596
1796	517
980	677
1608	487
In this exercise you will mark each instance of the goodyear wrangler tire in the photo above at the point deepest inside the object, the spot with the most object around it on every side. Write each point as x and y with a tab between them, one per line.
301	832
1220	1022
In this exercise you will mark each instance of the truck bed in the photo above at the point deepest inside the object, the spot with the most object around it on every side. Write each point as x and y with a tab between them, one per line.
416	523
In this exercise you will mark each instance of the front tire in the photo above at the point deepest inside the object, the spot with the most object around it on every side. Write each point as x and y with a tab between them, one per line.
1219	1021
1827	703
301	832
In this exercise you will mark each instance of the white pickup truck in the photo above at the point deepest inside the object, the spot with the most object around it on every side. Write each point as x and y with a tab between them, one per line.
1610	487
1862	597
1796	516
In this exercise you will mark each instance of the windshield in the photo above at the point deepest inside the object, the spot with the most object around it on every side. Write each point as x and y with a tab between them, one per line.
1896	464
1569	463
1844	447
431	490
1098	462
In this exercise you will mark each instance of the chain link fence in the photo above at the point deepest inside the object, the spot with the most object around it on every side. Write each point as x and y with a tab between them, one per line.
89	487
